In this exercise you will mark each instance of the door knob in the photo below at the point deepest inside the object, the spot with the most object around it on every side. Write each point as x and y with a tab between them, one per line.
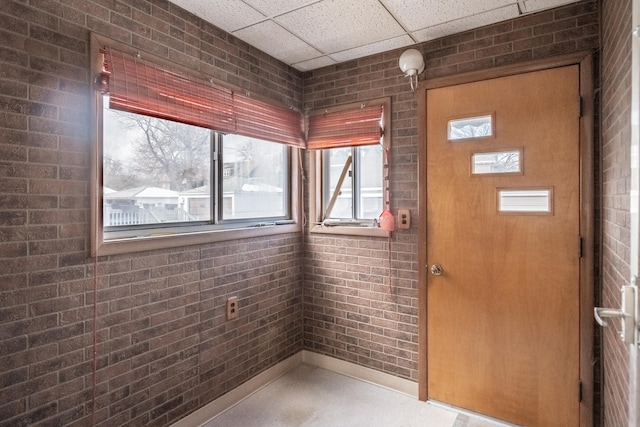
436	269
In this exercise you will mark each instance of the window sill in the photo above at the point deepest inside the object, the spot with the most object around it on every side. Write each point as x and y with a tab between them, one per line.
148	243
347	230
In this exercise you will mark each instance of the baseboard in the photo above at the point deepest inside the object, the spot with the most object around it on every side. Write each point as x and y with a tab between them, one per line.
238	394
361	373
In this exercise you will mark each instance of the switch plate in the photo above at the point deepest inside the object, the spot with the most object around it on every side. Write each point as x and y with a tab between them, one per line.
232	308
404	219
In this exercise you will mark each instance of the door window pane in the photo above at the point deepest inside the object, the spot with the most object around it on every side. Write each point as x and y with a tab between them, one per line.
470	127
524	200
497	162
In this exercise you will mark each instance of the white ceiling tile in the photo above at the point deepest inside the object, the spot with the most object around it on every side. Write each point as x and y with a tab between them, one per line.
277	7
228	15
536	5
309	34
373	48
312	64
418	14
468	23
337	25
289	48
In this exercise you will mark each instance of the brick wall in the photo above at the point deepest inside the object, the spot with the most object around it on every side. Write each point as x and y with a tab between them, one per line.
164	347
352	311
616	174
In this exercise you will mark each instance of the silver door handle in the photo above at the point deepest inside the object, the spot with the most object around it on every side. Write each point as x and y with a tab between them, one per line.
600	312
628	326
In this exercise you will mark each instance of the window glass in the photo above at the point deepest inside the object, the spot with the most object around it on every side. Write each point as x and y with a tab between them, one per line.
168	171
159	173
334	163
498	162
524	200
370	178
360	195
470	127
155	171
254	178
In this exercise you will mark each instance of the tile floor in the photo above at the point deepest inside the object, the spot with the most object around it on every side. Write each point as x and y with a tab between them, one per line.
309	396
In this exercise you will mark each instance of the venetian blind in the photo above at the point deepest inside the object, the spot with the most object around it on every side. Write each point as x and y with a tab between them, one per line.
346	128
266	121
143	87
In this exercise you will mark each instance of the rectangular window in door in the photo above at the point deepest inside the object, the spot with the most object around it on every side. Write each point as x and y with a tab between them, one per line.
525	201
497	162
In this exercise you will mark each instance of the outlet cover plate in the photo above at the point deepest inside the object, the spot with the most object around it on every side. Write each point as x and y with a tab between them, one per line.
232	308
404	219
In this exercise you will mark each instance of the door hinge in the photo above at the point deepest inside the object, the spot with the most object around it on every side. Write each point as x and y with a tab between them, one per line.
579	391
580	106
580	247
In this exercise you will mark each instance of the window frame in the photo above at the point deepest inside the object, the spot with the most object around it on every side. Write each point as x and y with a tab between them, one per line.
317	180
176	235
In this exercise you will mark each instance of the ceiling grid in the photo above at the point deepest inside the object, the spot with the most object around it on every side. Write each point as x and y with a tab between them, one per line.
310	34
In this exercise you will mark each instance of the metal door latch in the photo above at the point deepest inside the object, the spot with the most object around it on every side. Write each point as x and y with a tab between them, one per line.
436	269
626	314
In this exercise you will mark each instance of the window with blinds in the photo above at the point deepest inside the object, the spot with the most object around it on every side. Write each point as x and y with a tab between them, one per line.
348	146
143	87
359	125
181	155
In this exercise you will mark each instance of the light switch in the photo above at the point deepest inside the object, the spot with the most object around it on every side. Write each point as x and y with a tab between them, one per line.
404	219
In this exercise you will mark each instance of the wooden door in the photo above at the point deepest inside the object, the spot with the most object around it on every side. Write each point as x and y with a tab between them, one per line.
503	316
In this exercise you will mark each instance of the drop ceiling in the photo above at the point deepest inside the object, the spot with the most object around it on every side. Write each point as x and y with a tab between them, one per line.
310	34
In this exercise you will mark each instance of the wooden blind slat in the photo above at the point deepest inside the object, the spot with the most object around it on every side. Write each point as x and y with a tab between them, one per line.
347	128
142	87
270	122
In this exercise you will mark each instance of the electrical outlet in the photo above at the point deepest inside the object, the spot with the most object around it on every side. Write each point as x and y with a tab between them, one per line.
232	308
404	219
